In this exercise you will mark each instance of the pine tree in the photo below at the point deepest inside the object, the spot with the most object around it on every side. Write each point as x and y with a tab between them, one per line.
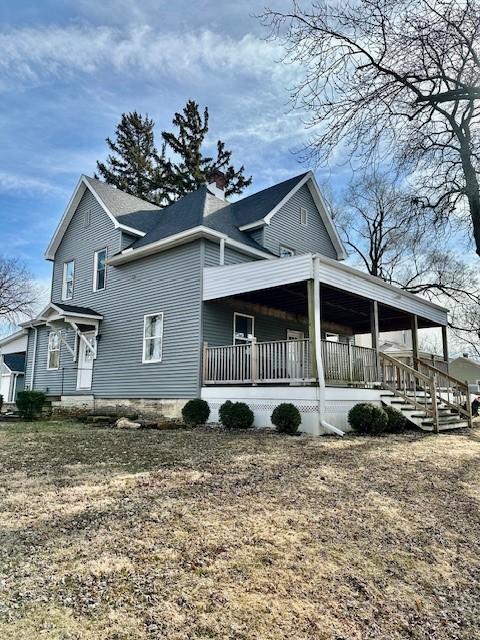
134	165
193	168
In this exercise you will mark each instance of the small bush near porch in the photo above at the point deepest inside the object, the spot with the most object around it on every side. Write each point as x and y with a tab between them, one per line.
118	535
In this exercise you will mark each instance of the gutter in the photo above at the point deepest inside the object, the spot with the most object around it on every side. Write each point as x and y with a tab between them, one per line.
32	375
320	389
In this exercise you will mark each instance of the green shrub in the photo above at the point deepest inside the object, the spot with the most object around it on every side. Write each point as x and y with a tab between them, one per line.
367	418
396	420
236	415
196	412
30	403
286	417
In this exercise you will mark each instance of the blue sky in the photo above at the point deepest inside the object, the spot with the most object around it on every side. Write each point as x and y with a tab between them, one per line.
69	69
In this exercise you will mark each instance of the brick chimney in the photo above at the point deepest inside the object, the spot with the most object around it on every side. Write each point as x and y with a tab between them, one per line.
216	183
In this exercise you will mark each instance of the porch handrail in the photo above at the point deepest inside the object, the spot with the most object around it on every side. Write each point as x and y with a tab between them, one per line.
345	362
451	391
409	384
275	361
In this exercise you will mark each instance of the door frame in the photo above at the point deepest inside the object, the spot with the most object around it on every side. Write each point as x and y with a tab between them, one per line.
82	350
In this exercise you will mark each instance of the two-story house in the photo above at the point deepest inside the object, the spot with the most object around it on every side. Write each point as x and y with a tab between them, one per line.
247	300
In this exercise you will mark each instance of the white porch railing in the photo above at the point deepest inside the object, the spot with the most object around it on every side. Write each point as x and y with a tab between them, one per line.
347	363
284	361
287	362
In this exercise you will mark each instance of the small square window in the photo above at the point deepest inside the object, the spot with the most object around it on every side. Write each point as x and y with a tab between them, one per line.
303	216
285	252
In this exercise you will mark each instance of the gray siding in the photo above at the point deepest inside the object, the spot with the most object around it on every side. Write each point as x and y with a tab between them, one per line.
232	256
218	325
257	235
56	381
168	282
285	228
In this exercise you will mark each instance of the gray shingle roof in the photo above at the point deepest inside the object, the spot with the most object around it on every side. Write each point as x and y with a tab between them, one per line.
202	208
70	308
197	208
130	210
15	362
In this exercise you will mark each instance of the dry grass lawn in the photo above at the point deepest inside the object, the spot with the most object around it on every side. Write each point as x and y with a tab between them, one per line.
205	535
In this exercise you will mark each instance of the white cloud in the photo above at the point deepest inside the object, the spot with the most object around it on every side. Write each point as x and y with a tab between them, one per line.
14	183
34	55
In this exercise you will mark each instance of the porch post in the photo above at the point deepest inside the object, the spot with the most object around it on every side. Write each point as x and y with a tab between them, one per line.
414	328
374	329
311	328
445	346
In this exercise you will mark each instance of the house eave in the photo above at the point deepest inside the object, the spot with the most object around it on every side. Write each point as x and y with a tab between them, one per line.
184	237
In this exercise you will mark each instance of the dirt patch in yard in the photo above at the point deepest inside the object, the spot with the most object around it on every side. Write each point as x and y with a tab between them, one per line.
182	535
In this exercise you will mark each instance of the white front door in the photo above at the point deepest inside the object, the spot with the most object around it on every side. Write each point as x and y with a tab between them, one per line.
296	356
85	362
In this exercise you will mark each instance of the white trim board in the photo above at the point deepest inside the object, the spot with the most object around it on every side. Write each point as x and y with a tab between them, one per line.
195	233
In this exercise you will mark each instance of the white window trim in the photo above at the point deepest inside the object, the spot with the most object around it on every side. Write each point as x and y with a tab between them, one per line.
304	215
64	280
285	248
243	315
145	317
49	351
95	269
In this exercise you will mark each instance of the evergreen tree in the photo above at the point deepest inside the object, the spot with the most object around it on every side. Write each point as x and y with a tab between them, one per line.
190	169
134	165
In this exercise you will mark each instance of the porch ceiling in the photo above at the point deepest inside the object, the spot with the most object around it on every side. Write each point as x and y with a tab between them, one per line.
339	307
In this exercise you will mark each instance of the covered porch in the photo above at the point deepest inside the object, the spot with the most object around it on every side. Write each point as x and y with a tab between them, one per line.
303	321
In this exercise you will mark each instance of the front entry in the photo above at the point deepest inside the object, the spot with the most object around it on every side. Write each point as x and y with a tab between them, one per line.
85	363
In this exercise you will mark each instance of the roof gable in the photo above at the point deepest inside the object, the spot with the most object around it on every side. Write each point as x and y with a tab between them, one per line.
127	213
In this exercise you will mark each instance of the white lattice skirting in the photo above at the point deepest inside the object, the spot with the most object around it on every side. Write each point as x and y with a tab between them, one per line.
263	400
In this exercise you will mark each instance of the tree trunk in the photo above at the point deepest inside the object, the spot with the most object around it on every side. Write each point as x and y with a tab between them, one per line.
473	192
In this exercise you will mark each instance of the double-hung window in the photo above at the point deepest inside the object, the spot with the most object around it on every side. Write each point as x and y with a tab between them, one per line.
53	361
100	270
152	337
68	278
243	331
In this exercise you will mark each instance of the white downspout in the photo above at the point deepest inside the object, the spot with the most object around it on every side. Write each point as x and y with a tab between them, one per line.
32	375
222	252
318	350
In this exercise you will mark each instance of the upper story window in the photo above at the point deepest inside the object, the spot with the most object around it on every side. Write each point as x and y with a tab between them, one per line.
285	252
303	216
100	270
53	359
152	337
68	278
243	328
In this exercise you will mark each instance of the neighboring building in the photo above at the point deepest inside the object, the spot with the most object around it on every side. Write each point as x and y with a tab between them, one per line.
12	365
246	300
466	369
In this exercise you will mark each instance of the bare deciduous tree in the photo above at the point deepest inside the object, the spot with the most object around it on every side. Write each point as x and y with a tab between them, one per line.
380	229
17	292
397	77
